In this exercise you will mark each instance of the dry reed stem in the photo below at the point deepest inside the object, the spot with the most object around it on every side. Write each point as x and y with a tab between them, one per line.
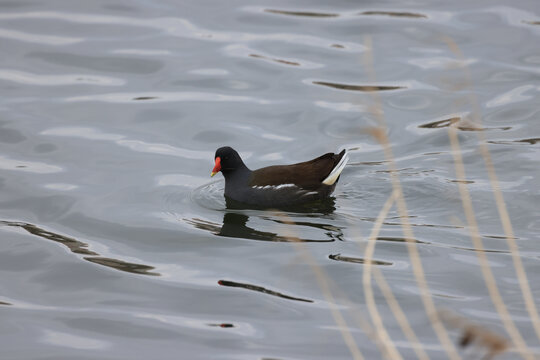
390	350
476	238
324	284
414	255
383	285
501	205
399	314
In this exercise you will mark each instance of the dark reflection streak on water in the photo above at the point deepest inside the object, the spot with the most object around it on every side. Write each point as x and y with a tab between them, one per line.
478	250
463	127
146	98
123	266
531	141
222	325
440	123
275	60
79	247
499	237
350	259
394	14
367	163
396	239
364	88
531	22
301	13
426	225
461	181
5	303
260	289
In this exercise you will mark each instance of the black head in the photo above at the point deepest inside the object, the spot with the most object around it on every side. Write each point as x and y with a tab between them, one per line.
227	161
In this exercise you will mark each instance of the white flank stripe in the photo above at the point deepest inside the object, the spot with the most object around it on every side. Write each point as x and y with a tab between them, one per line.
334	174
273	187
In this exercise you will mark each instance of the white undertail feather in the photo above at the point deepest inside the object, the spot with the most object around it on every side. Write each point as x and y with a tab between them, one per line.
336	171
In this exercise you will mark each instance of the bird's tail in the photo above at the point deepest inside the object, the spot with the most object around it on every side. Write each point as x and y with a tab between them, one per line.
336	171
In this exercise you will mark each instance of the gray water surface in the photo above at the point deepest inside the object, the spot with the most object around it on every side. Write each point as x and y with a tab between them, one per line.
115	242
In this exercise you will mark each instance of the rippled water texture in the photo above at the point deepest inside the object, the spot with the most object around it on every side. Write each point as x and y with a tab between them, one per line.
116	243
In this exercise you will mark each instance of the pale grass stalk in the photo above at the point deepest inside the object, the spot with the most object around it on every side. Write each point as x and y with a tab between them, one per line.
414	255
501	205
476	238
390	350
399	314
383	285
324	284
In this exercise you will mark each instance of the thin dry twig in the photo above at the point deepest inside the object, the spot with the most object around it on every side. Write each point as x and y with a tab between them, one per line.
414	255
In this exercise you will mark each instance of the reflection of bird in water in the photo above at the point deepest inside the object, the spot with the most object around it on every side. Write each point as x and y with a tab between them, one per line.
235	226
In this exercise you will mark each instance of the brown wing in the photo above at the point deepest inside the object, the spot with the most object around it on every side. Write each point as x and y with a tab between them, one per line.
308	174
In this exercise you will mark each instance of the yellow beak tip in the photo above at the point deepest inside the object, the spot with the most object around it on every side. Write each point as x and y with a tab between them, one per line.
212	174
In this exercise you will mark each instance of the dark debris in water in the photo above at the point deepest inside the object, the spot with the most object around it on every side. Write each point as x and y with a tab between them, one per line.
5	303
260	289
531	22
395	14
301	13
363	88
355	260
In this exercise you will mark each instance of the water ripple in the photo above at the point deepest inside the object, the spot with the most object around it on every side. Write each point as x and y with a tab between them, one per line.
513	96
38	38
132	144
28	166
160	97
183	28
27	78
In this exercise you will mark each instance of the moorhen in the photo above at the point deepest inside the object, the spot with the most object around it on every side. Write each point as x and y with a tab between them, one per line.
278	185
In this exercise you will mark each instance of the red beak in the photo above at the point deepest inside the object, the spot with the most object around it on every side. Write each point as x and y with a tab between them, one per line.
217	167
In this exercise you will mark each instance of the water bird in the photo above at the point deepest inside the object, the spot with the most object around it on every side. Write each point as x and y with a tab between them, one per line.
279	185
